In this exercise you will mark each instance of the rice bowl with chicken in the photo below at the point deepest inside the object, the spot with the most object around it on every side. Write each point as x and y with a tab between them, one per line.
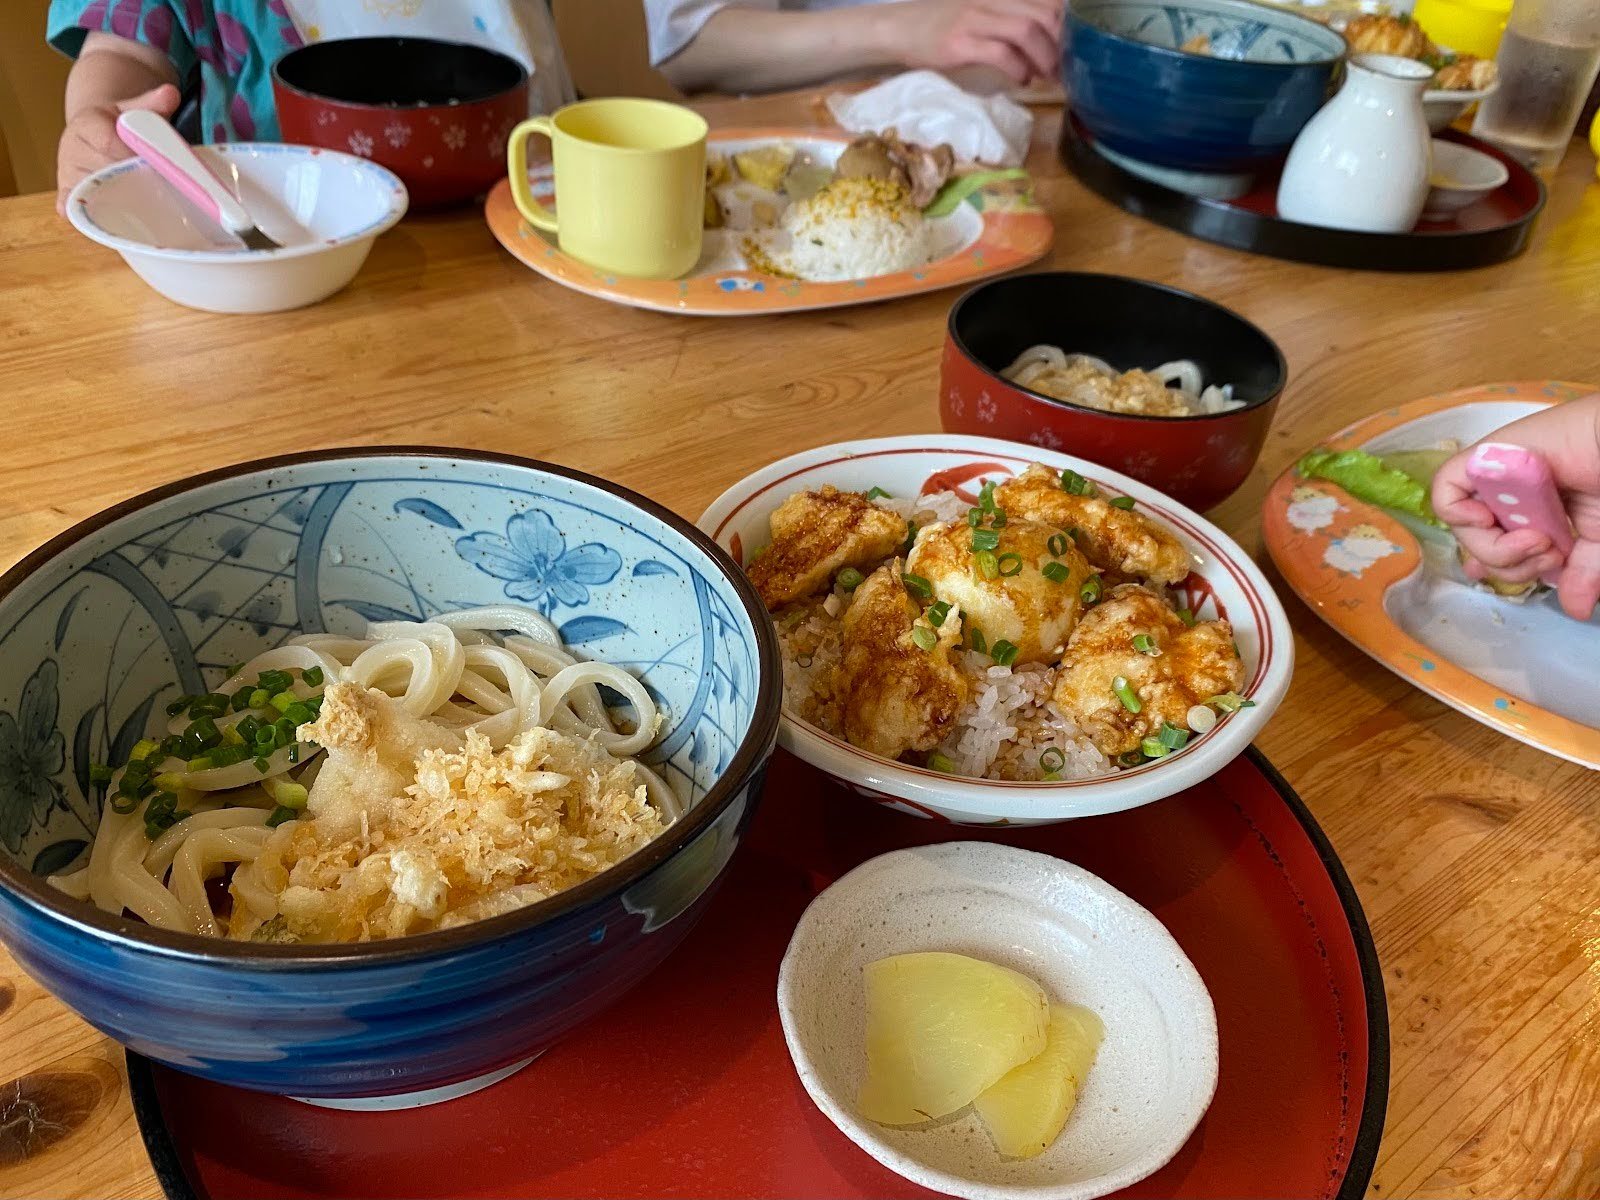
1048	641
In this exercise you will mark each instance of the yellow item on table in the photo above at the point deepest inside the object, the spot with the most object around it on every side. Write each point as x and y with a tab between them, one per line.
1466	26
630	180
1594	143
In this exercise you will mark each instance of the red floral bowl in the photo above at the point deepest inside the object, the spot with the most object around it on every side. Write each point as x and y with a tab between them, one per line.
435	113
1200	461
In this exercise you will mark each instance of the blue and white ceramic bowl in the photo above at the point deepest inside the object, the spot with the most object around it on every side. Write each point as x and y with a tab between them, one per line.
104	625
1235	108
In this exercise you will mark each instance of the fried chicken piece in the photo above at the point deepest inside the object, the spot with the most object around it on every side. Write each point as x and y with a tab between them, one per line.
1123	541
921	170
1382	34
814	535
896	696
1465	73
1194	664
1023	606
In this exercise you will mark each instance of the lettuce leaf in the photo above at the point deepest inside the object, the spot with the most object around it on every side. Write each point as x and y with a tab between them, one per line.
1367	477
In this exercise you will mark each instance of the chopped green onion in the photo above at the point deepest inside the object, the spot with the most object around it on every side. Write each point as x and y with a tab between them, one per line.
1089	593
998	521
925	638
263	765
226	756
937	612
294	753
1186	616
100	773
878	493
1051	759
170	781
1125	693
287	793
917	585
284	701
260	698
213	704
1237	653
275	681
171	746
247	728
1172	737
235	669
985	539
974	517
279	815
911	538
1201	719
1057	544
1131	759
143	749
179	705
1122	502
1010	563
986	496
138	770
1072	482
1074	533
988	564
283	731
1153	748
205	733
1229	702
1051	777
202	763
123	805
312	676
300	714
1055	572
850	579
241	699
939	761
232	737
1145	644
1003	653
976	639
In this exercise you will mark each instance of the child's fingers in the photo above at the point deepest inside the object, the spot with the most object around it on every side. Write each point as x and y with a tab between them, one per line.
1453	497
1580	581
1523	572
1497	550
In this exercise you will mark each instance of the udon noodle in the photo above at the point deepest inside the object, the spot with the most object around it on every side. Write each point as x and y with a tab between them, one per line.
1174	389
480	715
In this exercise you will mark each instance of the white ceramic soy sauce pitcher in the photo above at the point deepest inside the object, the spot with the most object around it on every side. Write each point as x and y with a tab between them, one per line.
1362	162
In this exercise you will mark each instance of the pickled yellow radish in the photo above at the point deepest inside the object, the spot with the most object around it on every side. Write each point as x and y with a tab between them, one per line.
940	1029
1028	1108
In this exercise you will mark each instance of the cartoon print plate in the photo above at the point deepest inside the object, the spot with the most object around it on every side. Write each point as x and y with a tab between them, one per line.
998	228
1395	589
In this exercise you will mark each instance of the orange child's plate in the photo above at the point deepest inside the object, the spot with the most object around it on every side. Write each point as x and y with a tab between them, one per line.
1524	669
997	229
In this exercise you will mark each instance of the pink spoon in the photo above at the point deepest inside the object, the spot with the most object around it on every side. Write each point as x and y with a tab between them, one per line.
1517	487
153	139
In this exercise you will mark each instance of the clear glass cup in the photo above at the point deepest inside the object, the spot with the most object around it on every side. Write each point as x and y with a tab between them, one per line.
1548	61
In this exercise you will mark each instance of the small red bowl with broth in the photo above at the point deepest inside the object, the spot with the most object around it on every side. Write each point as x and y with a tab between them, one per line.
435	113
1125	323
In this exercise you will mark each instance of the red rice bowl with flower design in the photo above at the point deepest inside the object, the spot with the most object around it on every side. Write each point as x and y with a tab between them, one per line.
435	113
1199	460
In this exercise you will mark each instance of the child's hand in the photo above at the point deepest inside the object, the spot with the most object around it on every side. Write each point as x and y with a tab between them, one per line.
90	139
1021	38
1568	438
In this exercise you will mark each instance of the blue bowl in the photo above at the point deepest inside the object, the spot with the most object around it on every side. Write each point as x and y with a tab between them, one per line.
103	626
1237	108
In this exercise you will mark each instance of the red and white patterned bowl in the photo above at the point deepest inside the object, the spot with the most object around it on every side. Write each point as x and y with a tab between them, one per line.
1223	582
1129	323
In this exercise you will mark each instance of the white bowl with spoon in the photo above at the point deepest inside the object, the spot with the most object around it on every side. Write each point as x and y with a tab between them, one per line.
1080	939
323	209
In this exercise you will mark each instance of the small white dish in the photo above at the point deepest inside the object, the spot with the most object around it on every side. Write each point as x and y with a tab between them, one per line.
1444	108
1083	941
1229	584
1459	175
324	208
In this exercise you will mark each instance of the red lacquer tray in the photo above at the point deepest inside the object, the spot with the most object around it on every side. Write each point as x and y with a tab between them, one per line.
1489	230
685	1087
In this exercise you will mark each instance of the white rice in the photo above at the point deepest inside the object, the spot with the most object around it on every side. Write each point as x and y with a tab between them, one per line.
849	230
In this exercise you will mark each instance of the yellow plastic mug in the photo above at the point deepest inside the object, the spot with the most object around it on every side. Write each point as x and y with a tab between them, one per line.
630	179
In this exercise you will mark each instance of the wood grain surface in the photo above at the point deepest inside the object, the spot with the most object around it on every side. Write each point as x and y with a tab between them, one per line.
1474	856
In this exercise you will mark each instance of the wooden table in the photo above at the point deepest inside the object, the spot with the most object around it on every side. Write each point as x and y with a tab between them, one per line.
1475	856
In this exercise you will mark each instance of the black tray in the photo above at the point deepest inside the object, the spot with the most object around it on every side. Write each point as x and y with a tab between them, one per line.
1490	230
